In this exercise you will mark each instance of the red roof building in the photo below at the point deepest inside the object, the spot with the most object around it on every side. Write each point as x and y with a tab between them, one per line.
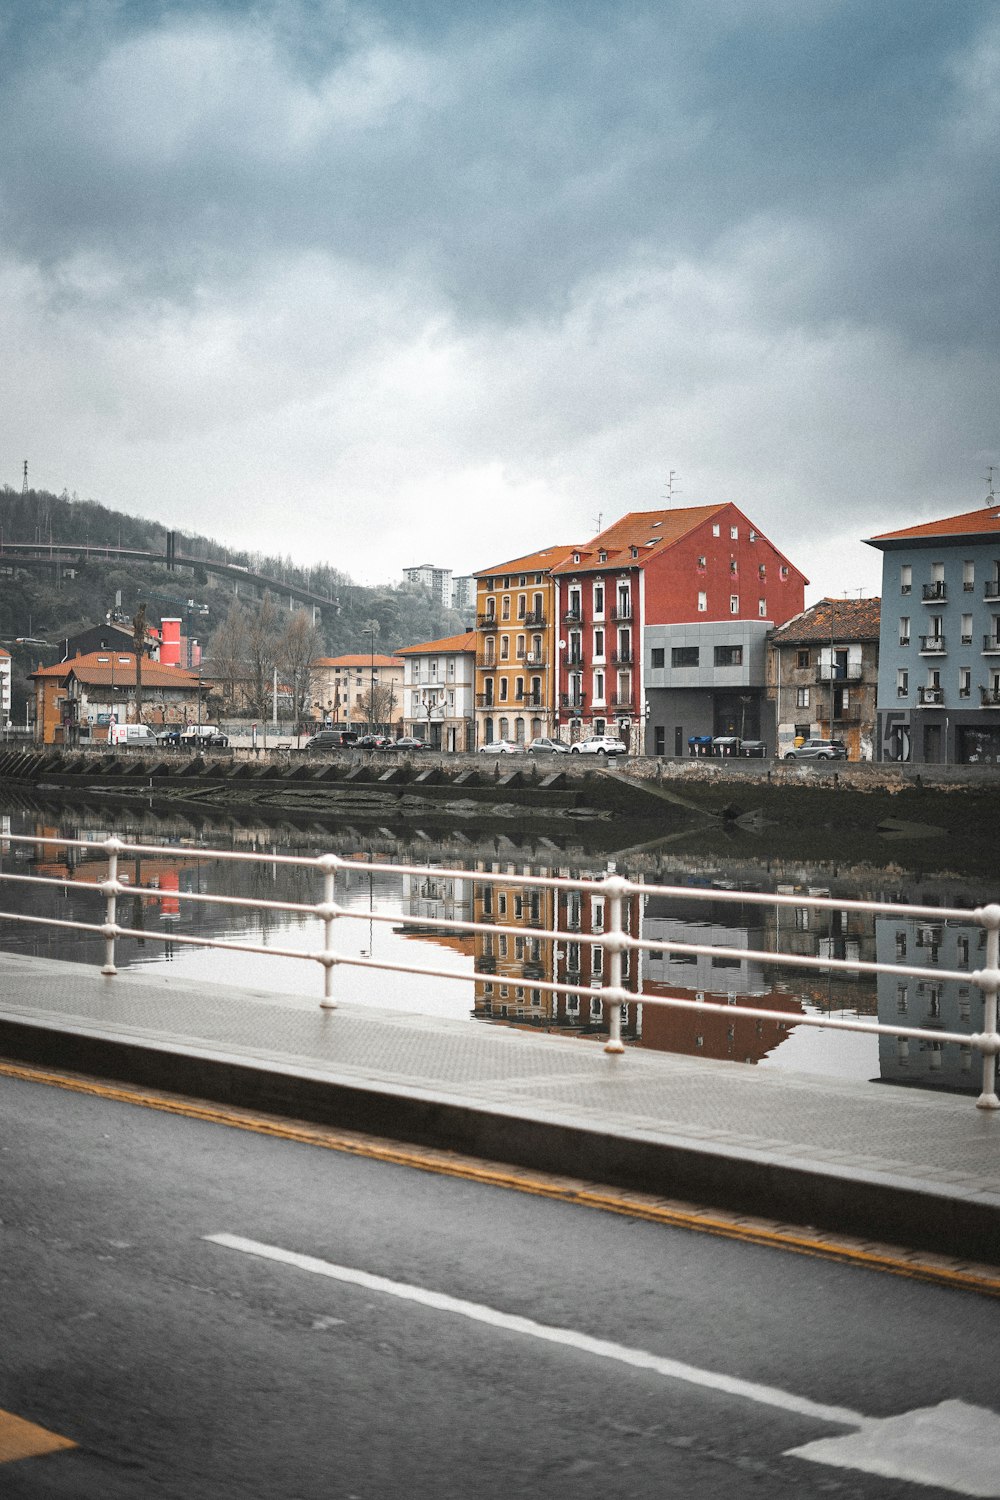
663	619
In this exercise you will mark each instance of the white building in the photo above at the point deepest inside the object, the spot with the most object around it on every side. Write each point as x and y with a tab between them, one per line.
439	690
5	677
438	580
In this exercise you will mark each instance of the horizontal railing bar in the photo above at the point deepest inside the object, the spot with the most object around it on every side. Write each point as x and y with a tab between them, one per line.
585	884
803	960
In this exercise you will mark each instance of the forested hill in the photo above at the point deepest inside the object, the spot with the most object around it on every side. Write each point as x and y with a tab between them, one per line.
48	607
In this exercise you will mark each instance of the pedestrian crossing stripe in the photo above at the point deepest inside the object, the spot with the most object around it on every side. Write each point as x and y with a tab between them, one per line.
21	1439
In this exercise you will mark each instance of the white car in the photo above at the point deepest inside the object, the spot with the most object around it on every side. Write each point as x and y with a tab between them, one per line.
600	744
501	747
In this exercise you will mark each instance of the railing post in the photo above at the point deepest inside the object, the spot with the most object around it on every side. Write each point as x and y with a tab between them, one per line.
110	906
613	933
990	918
328	912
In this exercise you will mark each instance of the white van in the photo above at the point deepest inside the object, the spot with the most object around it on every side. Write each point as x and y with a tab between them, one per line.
130	734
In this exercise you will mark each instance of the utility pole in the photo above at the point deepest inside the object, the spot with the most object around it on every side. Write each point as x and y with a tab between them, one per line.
139	642
24	482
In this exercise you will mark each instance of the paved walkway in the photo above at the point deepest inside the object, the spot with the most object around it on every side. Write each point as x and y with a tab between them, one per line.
903	1166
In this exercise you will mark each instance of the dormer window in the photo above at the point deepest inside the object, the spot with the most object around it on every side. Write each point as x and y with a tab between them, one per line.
635	551
602	556
576	557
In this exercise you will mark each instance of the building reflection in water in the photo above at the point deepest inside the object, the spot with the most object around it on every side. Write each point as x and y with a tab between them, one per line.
518	961
933	1004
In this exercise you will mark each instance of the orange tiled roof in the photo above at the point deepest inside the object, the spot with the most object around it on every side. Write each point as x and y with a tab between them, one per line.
96	668
985	522
357	660
646	530
4	653
832	619
464	642
536	562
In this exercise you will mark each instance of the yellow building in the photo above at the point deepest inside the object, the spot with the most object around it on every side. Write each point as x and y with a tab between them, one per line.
516	643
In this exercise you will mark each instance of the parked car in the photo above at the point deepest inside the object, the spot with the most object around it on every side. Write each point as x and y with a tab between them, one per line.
501	747
373	742
600	744
544	746
331	739
818	750
200	736
410	742
130	734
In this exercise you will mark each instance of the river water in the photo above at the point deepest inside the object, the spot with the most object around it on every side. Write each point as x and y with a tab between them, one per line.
509	997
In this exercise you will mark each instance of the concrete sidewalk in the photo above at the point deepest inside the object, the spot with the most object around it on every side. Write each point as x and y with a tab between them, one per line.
911	1168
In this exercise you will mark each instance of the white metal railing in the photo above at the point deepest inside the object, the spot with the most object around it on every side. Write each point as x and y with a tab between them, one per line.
613	936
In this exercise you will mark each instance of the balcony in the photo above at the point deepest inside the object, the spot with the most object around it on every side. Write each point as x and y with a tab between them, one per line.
935	593
852	673
622	658
930	697
621	611
486	662
848	713
991	588
534	659
535	617
989	697
487	622
574	659
485	700
623	700
572	700
932	645
573	617
991	645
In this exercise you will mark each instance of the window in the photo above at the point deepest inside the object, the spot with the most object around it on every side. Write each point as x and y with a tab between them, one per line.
783	570
519	647
702	603
762	569
964	682
598	642
503	696
702	564
729	656
733	566
504	647
966	630
597	958
716	531
904	630
734	604
905	579
505	607
602	556
802	659
902	682
968	576
683	656
522	605
599	686
762	608
734	532
801	697
657	657
598	598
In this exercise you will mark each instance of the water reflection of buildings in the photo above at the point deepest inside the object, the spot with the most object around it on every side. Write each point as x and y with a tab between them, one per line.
932	1004
519	961
444	900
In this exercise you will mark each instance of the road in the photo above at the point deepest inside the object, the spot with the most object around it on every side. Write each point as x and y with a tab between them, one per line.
209	1313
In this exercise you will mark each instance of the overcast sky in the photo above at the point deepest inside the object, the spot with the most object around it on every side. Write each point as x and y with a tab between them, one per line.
388	283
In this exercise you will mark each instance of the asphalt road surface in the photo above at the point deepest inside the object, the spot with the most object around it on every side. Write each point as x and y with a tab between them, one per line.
210	1313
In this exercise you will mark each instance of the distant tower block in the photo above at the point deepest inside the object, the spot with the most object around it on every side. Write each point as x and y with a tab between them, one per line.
24	482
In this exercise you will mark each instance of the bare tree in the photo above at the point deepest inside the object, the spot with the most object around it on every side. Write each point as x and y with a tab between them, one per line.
300	643
378	704
263	631
228	654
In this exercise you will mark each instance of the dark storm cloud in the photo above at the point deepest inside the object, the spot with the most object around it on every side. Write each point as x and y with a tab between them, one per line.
503	157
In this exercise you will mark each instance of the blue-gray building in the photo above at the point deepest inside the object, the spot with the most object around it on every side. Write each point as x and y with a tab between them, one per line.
939	644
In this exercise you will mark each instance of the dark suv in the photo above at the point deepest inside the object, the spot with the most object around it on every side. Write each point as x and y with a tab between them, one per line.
331	739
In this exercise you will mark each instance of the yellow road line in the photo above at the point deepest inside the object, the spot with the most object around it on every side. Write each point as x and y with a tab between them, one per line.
917	1265
20	1439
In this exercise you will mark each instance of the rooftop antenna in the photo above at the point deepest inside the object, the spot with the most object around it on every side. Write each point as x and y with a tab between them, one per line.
24	482
989	480
598	519
673	488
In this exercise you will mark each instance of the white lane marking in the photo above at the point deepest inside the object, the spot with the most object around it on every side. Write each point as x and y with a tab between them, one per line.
952	1446
639	1359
